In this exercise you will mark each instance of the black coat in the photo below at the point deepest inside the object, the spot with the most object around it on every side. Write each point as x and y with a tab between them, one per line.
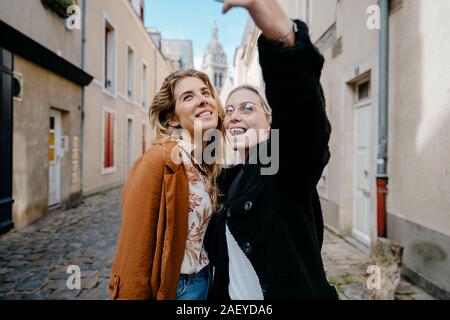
276	219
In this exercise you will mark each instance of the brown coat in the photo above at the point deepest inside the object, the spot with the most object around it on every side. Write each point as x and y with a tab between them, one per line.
154	227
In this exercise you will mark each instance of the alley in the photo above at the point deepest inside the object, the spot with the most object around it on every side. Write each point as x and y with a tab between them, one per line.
34	261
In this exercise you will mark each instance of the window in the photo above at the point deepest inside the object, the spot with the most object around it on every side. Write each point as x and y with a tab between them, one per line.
138	6
144	140
108	140
144	89
364	90
109	58
220	80
130	72
51	151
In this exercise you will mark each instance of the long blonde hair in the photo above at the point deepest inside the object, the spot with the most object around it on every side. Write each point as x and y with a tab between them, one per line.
163	106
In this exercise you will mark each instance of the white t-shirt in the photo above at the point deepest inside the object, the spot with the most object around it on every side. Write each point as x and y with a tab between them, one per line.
244	282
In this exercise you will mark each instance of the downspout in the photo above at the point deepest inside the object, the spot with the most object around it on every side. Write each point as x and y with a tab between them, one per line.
382	176
83	92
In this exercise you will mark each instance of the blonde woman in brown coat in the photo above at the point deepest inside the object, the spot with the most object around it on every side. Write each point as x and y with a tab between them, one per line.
169	198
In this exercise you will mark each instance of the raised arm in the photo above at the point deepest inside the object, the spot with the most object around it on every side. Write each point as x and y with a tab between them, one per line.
291	70
293	90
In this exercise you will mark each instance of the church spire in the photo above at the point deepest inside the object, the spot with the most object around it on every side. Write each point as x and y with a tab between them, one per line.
215	31
215	60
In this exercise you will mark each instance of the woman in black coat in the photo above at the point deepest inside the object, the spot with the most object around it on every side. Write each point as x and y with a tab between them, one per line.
265	242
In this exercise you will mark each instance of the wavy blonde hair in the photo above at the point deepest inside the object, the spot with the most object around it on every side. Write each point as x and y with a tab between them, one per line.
163	107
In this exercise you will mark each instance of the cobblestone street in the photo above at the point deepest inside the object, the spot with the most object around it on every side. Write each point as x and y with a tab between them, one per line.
34	261
346	267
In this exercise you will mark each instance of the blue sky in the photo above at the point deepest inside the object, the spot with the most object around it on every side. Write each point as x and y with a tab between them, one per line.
193	19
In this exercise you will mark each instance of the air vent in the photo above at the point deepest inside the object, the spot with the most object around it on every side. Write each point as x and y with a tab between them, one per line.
18	86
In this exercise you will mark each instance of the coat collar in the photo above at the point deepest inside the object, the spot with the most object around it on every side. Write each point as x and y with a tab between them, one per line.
172	158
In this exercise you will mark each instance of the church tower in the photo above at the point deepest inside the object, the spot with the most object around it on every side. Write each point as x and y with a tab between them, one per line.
215	61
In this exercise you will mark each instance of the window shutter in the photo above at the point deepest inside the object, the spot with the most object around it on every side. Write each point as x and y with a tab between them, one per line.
106	141
111	140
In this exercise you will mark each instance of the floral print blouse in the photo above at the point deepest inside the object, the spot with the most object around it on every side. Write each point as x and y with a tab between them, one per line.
200	212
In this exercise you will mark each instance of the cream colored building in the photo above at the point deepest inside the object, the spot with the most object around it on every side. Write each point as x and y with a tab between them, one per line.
245	68
128	69
348	34
46	109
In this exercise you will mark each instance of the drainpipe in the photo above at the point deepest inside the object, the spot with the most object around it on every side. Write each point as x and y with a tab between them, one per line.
382	177
83	92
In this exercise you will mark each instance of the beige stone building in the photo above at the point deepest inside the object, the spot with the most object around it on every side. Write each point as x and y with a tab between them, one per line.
179	52
42	83
245	68
414	85
82	83
128	69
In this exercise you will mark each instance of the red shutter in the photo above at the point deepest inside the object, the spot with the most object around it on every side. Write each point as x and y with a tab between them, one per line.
106	142
111	140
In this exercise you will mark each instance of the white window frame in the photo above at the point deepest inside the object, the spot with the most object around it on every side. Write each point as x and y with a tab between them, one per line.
129	98
133	139
113	169
113	91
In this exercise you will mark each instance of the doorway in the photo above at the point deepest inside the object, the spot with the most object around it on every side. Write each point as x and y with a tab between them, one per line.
6	141
55	155
361	163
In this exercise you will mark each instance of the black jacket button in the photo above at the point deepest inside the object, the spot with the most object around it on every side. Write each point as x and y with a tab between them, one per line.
248	205
247	248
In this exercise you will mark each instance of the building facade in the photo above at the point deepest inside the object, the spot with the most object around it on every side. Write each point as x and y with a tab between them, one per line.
215	61
246	68
349	35
128	69
180	51
42	84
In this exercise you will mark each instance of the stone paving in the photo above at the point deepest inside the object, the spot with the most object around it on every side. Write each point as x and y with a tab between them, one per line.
346	267
34	260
